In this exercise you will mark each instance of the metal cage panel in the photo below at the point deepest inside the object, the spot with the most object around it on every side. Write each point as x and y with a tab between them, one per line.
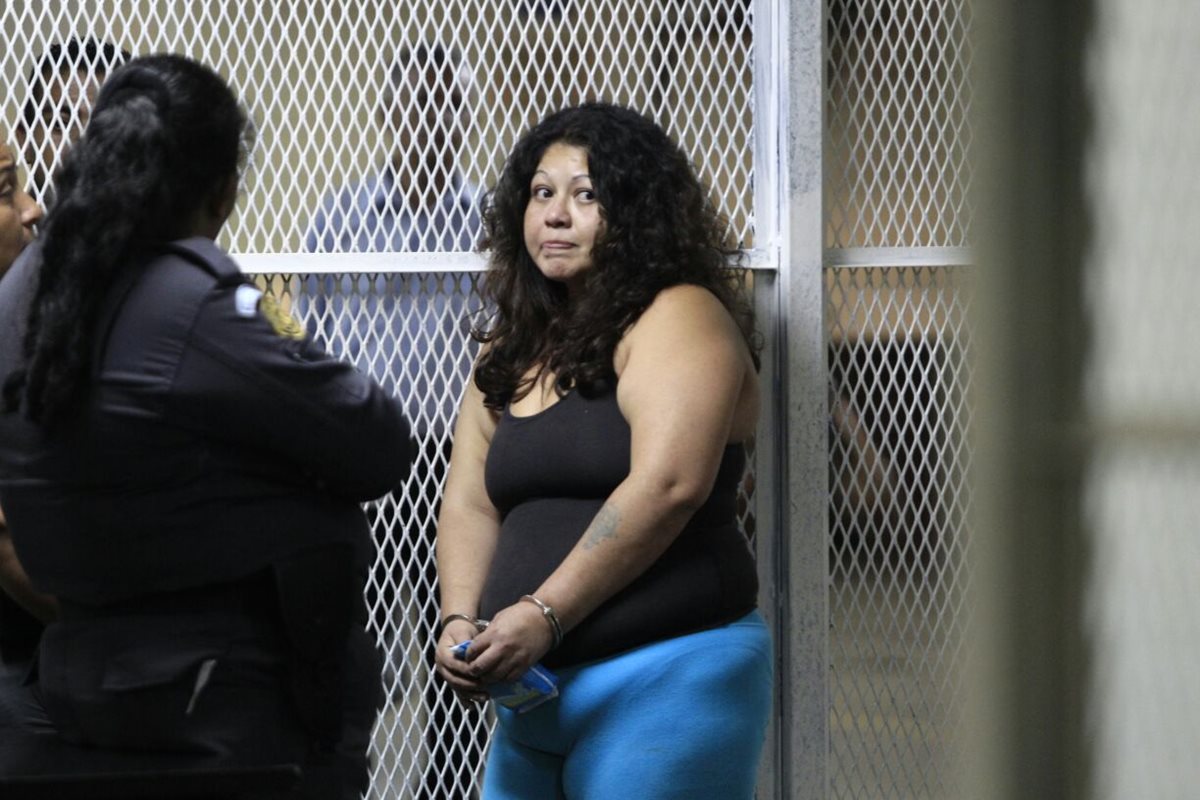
898	93
320	80
327	86
899	498
896	304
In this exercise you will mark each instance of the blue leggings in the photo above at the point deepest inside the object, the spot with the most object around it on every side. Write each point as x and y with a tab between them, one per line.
681	718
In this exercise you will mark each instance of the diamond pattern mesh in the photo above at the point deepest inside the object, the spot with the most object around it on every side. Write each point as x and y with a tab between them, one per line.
317	79
899	497
897	138
897	177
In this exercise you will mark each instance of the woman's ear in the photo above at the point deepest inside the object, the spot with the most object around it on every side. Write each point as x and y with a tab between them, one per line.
216	208
224	198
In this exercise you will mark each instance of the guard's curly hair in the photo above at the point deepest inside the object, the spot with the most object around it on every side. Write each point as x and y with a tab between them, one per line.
661	229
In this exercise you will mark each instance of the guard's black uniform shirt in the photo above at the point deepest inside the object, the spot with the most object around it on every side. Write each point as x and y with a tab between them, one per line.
215	439
198	516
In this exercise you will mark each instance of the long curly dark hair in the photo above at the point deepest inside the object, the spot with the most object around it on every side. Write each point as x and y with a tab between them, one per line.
165	135
661	229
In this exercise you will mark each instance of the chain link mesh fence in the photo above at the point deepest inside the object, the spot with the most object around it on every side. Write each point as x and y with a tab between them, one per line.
356	105
898	91
897	175
318	78
899	496
387	279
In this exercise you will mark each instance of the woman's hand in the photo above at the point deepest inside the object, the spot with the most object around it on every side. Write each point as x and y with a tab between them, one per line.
515	640
454	671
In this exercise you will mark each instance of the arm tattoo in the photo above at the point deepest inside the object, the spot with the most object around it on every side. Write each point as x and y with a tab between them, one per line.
604	526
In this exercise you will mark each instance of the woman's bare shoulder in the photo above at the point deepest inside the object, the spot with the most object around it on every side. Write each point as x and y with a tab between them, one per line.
684	310
681	319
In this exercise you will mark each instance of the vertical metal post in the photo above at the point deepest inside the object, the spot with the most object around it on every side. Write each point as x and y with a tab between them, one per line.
803	601
1031	665
770	540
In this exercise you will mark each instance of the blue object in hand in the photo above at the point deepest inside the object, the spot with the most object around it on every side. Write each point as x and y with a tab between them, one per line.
535	687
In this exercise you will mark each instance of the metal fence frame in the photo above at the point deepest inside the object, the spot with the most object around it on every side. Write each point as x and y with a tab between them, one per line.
788	260
801	405
811	255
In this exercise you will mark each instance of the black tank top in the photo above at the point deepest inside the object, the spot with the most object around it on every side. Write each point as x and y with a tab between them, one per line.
548	474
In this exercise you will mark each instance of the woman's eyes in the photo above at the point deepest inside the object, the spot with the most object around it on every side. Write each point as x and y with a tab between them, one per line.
545	193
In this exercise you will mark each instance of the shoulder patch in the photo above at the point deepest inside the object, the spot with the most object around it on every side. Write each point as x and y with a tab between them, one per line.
282	323
246	300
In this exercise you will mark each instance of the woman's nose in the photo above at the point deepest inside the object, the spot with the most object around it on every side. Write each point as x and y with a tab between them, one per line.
557	215
29	210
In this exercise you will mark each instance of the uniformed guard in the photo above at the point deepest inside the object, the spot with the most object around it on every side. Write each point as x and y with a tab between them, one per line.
180	465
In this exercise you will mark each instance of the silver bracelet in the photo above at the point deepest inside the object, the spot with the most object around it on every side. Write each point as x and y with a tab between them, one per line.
480	624
551	617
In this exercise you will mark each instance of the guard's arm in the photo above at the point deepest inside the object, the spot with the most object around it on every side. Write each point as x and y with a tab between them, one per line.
250	374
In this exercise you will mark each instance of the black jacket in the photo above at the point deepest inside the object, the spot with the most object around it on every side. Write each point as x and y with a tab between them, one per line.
215	438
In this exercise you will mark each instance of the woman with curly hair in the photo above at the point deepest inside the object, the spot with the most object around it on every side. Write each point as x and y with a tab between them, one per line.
589	516
180	466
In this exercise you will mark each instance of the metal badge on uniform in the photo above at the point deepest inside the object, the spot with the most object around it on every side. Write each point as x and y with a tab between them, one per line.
281	322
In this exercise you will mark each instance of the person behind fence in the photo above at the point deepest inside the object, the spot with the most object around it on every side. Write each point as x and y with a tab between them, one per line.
179	464
406	330
23	610
62	88
590	509
419	200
